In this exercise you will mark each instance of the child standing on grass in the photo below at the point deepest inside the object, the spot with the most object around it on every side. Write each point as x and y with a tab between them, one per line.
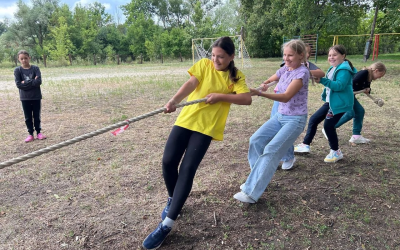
338	98
28	80
361	80
288	160
222	83
275	137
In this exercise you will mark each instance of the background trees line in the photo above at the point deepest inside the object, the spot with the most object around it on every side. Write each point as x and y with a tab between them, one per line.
156	29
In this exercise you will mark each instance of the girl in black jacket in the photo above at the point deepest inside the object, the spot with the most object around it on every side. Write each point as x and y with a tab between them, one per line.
28	80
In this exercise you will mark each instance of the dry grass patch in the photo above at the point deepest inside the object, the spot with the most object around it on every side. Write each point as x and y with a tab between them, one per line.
107	192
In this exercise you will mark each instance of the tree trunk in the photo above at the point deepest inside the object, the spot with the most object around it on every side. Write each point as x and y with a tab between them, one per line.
45	60
14	58
94	59
180	55
117	59
70	59
367	50
162	59
141	59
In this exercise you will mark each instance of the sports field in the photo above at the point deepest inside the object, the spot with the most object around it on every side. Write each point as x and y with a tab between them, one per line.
107	192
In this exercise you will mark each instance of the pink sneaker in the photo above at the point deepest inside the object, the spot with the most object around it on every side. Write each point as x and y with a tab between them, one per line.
41	136
29	138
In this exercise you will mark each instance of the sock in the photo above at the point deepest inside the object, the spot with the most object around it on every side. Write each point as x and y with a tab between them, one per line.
356	136
168	222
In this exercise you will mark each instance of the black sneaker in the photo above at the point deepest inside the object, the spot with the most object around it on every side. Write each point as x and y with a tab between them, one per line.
157	237
166	209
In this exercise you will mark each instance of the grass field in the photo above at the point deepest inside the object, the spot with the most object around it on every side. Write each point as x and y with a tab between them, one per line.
107	192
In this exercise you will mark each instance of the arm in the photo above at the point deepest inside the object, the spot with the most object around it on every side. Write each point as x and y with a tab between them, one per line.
21	84
38	79
317	73
187	88
343	77
240	99
292	89
264	86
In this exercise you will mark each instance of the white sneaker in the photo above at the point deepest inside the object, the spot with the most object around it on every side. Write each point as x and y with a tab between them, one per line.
323	132
334	156
302	148
359	140
287	165
243	198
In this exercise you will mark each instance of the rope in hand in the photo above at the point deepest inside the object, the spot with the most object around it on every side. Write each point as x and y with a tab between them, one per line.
377	101
91	134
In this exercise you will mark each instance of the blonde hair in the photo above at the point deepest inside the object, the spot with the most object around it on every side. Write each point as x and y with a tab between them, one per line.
375	66
299	47
378	66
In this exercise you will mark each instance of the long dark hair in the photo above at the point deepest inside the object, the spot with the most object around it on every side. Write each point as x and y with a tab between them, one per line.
341	50
227	44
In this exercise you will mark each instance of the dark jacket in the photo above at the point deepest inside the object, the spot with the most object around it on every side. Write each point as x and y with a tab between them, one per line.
30	89
361	80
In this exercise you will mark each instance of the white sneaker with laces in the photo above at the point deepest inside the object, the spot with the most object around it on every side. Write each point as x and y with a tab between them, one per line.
243	198
334	156
302	148
287	165
359	140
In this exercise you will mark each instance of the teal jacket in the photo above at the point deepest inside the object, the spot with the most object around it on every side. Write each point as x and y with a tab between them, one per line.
341	98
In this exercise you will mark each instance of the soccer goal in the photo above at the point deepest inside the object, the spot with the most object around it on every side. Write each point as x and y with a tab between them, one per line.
201	48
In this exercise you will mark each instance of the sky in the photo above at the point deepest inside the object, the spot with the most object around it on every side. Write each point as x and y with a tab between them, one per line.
9	7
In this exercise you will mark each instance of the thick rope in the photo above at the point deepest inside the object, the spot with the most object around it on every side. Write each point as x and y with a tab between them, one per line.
377	101
91	134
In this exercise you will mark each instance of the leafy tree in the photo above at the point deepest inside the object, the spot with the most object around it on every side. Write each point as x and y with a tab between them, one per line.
31	26
60	46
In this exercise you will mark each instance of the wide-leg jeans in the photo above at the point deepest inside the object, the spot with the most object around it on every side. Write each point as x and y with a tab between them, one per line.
267	146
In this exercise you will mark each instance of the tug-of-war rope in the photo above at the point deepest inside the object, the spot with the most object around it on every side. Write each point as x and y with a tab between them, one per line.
126	123
377	101
92	134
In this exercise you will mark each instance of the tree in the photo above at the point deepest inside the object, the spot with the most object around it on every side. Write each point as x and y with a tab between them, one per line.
60	46
31	26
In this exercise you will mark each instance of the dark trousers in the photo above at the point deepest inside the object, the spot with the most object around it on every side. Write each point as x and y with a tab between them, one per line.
329	126
32	110
192	146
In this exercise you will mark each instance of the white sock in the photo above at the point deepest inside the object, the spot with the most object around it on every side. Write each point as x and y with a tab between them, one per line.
168	222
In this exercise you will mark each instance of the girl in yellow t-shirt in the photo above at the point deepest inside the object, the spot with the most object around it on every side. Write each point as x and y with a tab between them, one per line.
222	83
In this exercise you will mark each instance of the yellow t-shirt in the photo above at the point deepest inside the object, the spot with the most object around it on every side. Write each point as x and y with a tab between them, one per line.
209	119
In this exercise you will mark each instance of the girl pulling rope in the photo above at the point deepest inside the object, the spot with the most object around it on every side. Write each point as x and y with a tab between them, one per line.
362	80
217	79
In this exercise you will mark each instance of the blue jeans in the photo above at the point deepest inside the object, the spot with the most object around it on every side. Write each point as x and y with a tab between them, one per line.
290	153
357	114
267	146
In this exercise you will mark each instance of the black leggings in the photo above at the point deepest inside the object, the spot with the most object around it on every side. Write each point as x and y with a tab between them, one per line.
180	184
32	110
329	126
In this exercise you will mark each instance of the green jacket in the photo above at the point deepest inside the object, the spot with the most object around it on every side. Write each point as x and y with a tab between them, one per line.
341	98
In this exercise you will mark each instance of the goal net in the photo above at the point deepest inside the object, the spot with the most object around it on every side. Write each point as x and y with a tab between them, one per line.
202	47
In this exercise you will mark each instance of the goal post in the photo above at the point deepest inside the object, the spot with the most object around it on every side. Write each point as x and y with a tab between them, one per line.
202	47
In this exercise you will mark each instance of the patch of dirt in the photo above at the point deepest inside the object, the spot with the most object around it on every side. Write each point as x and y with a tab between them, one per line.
107	192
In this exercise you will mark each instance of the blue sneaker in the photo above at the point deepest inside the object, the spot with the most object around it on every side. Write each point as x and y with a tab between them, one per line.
157	237
166	209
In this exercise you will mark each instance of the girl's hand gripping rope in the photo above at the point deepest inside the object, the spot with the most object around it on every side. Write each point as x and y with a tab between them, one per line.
213	98
170	106
263	87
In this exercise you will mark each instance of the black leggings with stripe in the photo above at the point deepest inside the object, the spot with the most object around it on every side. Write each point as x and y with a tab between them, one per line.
192	146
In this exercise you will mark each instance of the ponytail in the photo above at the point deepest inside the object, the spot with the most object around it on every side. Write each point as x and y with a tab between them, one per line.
227	44
233	72
351	65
